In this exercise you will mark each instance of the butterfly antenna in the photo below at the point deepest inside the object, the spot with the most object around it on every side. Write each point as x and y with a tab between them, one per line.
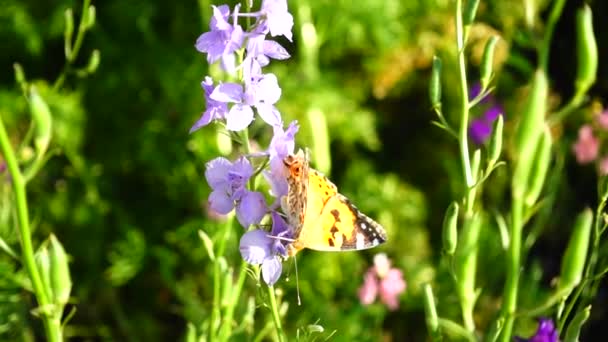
295	262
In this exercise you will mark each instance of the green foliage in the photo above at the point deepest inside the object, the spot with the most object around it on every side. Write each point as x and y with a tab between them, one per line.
121	183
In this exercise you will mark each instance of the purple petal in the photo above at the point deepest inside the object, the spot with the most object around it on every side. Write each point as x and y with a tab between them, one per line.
207	85
279	20
269	114
216	172
219	19
227	92
241	168
239	117
251	208
212	44
255	246
274	50
271	270
220	202
480	131
268	89
278	184
228	63
204	120
492	113
279	226
236	40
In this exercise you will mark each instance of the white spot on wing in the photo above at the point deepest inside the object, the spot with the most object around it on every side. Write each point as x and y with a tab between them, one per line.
360	241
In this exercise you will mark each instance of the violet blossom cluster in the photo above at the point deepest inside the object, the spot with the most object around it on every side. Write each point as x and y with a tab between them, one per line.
480	128
235	105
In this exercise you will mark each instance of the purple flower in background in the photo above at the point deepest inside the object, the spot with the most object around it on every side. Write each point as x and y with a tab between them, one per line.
546	332
228	181
259	248
480	128
223	39
383	281
216	110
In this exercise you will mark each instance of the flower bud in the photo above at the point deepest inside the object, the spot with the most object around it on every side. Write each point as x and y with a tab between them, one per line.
574	328
93	62
432	321
495	145
586	51
539	169
475	163
20	77
43	263
435	84
90	17
450	228
41	115
573	261
469	12
487	60
529	131
68	33
61	283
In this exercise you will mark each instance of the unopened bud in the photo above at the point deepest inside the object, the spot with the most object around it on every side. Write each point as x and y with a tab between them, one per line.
450	228
539	169
573	261
41	115
586	51
487	60
435	84
61	283
68	33
91	17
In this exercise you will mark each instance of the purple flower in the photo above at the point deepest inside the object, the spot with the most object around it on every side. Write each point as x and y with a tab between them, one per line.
383	281
546	332
278	19
216	110
260	49
228	181
480	128
259	248
281	145
262	92
223	39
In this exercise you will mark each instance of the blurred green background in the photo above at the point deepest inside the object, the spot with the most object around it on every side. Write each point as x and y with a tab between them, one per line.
126	195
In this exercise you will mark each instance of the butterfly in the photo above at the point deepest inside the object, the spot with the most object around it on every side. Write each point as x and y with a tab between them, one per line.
321	217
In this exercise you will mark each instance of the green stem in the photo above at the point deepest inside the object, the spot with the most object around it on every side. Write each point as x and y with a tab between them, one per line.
217	274
236	293
556	12
513	265
52	329
82	29
275	313
464	97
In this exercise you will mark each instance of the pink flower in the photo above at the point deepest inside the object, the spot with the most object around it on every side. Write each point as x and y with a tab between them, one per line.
587	146
383	281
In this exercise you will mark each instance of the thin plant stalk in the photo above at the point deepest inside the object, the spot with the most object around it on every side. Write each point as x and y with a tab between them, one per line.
276	318
52	325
